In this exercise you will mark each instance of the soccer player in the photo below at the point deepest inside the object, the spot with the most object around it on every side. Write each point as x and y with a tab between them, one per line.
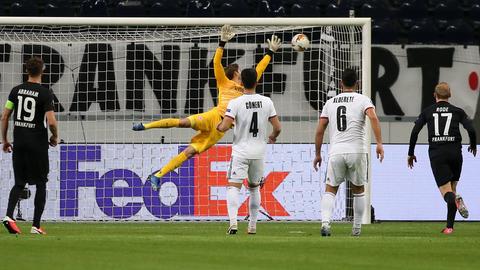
251	113
30	103
229	87
445	148
348	148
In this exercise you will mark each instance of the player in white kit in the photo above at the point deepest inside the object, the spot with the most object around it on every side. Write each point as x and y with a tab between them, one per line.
346	114
251	113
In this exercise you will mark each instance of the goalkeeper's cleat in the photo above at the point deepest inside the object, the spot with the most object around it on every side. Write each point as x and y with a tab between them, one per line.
35	230
138	127
252	230
447	231
154	181
325	231
11	225
462	208
356	231
232	229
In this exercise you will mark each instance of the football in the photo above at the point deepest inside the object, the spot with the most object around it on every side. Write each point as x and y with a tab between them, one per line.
300	42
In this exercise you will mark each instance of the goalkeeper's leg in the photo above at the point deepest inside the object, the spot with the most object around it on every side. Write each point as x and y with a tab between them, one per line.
174	163
164	123
207	136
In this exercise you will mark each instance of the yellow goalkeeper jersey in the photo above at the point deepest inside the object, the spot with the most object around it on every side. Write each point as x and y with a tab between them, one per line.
228	89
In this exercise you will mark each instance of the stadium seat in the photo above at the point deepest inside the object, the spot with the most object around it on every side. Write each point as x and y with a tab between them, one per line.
447	11
474	2
279	12
234	8
58	8
130	9
357	4
94	8
376	12
459	32
475	15
384	33
24	8
165	8
265	9
200	8
424	32
333	10
299	10
409	12
323	3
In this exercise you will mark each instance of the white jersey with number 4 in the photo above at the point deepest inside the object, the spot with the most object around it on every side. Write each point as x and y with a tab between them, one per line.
346	120
251	113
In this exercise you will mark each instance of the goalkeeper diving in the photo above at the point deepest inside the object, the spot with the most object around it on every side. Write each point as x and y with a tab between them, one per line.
229	87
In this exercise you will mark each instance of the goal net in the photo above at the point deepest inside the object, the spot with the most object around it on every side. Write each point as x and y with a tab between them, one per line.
107	74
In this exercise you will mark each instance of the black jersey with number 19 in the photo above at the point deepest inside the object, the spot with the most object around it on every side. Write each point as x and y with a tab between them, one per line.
31	102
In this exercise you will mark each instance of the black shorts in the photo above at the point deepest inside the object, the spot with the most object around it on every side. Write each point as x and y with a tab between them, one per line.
30	166
446	163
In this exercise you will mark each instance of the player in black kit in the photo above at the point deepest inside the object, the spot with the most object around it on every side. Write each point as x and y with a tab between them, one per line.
31	104
445	148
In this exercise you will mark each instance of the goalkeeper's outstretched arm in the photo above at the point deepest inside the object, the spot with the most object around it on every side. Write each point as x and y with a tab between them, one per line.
274	44
226	34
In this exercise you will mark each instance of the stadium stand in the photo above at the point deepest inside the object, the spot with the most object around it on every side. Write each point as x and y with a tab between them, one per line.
394	21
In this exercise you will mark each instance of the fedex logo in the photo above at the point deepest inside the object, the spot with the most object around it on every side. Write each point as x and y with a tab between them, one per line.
199	183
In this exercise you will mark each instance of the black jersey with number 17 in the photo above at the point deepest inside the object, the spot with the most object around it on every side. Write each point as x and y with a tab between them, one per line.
443	123
31	102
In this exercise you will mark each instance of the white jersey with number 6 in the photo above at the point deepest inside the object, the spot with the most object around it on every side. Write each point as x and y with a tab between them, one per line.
251	113
346	117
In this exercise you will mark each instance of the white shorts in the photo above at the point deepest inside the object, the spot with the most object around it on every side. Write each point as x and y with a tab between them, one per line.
241	169
347	167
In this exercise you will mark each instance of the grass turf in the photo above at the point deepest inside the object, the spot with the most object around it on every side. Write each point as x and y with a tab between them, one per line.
277	245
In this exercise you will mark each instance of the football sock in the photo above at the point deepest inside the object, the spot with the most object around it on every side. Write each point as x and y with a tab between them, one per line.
253	206
163	123
326	207
232	204
449	197
172	164
13	199
40	199
358	209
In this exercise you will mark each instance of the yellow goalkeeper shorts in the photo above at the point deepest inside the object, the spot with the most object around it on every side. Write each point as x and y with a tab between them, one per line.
206	124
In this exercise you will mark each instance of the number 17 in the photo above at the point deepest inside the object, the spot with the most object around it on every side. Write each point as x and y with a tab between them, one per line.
436	117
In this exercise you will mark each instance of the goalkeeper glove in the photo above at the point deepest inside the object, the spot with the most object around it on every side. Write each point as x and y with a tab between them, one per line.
138	127
274	43
226	33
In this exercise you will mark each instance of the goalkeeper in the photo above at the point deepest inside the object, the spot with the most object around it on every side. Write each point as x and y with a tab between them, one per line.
229	87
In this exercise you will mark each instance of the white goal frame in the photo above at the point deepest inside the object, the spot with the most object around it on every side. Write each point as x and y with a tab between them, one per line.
365	23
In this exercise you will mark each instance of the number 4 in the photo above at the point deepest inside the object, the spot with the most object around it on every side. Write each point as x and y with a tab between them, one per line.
254	125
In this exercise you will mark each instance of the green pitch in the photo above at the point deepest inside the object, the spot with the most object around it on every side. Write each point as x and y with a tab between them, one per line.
199	246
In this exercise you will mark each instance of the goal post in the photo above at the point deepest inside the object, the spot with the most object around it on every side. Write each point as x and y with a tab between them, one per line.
108	73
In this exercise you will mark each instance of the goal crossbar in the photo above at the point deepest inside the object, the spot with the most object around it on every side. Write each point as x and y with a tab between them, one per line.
147	21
